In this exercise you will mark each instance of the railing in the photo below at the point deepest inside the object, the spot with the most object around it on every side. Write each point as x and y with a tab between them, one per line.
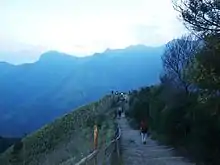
103	156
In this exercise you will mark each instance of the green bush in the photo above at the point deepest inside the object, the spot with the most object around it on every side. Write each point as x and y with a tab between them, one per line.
183	122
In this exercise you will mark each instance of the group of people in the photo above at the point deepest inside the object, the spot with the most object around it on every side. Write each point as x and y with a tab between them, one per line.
143	125
121	100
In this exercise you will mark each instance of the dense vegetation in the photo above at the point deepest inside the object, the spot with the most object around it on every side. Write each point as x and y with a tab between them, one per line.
7	142
59	82
68	138
183	110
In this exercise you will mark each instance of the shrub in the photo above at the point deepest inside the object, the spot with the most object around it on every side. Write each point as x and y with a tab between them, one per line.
18	146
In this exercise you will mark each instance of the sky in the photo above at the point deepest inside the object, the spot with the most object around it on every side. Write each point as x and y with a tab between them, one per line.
83	27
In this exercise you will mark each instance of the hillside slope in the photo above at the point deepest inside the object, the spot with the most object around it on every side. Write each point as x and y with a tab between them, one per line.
32	95
70	136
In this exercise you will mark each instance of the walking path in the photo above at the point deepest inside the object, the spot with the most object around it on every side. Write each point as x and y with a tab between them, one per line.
136	153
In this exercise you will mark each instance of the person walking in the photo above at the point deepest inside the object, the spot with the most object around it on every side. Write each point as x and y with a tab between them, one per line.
119	112
144	131
95	136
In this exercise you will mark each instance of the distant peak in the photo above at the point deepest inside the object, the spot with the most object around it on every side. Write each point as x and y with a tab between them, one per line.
2	63
137	46
56	56
53	53
108	50
140	47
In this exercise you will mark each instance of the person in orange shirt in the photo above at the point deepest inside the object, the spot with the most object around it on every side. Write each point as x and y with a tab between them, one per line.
95	137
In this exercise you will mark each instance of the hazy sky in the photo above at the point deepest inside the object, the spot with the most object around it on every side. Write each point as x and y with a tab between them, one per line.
86	26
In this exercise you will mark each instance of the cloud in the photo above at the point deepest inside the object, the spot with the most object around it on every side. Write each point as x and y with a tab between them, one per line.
95	25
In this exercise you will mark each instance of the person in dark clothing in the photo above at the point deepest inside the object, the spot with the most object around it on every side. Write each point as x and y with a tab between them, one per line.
144	131
119	113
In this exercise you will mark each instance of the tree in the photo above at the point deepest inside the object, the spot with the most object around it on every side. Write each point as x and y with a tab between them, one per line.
203	17
177	57
205	69
200	16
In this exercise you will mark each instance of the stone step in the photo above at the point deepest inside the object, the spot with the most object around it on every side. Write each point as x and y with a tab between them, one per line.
166	161
151	154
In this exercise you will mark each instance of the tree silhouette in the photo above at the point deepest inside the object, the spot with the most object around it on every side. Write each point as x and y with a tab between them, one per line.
200	16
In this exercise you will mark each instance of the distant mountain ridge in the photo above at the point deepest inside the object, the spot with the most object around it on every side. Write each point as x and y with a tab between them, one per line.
32	95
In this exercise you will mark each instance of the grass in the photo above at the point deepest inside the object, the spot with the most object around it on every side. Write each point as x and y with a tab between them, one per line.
68	137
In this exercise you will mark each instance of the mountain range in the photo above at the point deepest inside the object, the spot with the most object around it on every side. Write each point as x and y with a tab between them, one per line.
34	94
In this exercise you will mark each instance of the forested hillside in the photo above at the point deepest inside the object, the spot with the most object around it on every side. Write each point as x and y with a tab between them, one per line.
183	110
68	138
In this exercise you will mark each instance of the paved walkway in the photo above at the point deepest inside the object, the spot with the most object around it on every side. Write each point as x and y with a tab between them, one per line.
136	153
